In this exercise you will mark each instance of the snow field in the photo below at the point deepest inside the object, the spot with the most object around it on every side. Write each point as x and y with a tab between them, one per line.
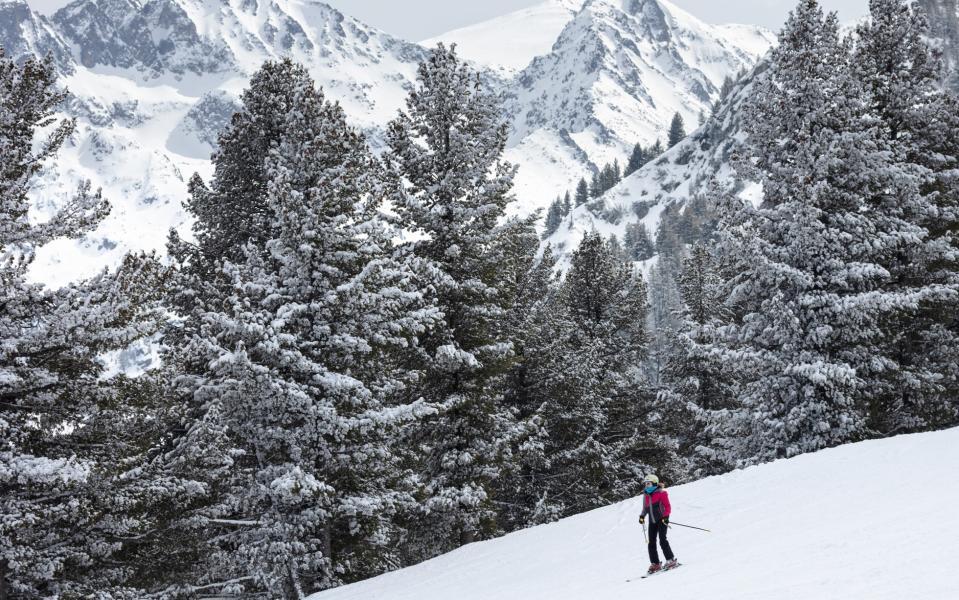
870	521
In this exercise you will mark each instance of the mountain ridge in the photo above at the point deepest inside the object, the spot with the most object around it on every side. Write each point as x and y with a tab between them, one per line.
615	77
152	83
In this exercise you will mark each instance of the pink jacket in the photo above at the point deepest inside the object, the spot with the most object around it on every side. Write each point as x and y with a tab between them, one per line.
656	505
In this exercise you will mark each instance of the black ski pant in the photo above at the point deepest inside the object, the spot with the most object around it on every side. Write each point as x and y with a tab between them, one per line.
658	529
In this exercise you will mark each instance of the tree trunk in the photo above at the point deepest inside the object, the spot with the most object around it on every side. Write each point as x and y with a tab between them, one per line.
3	580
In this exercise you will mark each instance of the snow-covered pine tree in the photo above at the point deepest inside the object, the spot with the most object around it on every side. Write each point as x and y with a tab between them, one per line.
594	401
232	216
654	151
582	192
302	371
637	159
230	211
665	306
639	245
447	146
726	88
596	184
554	217
697	387
567	203
677	130
61	415
571	386
811	259
531	295
920	122
610	176
542	327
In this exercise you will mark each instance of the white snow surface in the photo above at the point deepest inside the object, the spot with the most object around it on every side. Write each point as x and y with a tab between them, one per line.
509	42
875	520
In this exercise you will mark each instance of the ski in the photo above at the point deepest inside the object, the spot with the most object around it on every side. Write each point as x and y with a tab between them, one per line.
647	575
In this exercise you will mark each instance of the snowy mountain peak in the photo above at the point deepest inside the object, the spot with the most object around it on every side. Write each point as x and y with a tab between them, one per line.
155	36
652	15
198	36
617	74
24	32
152	82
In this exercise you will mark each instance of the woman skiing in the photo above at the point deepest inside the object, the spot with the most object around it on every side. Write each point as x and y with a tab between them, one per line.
656	505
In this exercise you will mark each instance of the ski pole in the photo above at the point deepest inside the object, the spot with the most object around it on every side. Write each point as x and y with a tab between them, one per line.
644	531
689	526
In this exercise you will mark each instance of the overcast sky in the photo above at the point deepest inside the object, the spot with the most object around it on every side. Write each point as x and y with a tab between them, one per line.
420	19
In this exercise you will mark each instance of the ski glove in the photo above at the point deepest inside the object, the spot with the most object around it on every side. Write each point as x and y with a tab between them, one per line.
642	520
666	521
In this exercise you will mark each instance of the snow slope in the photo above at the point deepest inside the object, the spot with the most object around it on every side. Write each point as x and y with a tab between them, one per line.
509	42
870	521
683	172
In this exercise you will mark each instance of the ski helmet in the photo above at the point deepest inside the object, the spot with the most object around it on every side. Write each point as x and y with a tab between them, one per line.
652	478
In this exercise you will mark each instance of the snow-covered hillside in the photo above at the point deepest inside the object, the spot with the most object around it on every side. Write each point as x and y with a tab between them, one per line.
508	43
616	75
153	81
685	171
704	157
874	520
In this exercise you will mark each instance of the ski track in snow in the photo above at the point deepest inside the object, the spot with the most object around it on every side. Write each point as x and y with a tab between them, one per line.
870	521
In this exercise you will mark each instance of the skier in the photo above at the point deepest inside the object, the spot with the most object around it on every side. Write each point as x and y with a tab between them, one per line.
656	505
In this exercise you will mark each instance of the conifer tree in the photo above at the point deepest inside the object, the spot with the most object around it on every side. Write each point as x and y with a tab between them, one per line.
532	321
639	245
596	184
230	211
448	145
698	388
665	305
554	217
655	151
577	389
813	258
61	414
582	192
598	442
567	204
636	160
726	88
297	375
919	121
677	131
